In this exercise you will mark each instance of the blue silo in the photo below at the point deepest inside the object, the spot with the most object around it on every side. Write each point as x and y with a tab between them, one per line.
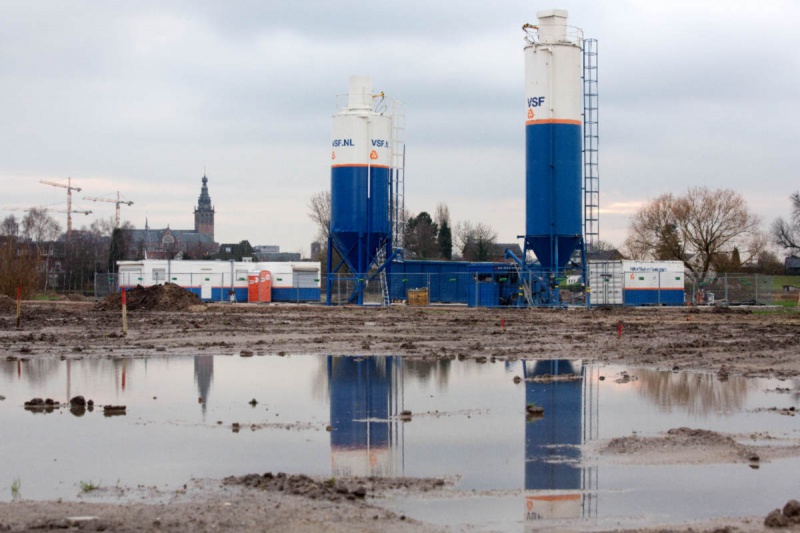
553	141
361	157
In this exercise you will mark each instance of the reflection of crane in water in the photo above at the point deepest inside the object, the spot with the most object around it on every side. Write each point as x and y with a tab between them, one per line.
366	397
556	485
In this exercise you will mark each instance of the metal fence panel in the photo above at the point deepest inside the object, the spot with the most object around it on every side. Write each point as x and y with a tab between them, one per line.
734	289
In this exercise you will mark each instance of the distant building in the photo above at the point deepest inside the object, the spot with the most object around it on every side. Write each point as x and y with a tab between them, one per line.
235	251
316	250
267	249
279	256
792	265
168	243
605	255
498	252
272	252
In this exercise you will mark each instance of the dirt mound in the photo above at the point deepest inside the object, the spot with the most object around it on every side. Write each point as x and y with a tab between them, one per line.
725	310
332	489
166	297
680	445
7	305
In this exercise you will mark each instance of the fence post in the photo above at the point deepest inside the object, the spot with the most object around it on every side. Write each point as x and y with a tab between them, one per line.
659	288
726	289
755	282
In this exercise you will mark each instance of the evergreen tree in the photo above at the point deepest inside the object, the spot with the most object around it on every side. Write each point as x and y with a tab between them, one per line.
445	241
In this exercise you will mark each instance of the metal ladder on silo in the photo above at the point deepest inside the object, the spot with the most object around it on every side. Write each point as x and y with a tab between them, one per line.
591	145
398	188
381	258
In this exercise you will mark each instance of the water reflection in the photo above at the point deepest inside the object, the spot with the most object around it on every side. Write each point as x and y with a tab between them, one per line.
426	371
203	377
699	394
33	371
366	395
469	423
556	486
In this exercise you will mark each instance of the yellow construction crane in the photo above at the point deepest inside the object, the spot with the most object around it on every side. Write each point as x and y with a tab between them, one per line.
117	202
69	211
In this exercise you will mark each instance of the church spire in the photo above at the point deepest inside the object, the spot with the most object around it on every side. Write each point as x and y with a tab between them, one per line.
204	201
204	212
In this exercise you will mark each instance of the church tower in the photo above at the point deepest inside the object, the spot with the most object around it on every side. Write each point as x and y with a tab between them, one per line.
204	212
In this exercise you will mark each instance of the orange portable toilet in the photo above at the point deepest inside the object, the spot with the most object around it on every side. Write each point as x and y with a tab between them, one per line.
253	287
265	286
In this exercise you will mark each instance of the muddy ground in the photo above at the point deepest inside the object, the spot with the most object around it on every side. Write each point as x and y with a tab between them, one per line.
755	342
749	342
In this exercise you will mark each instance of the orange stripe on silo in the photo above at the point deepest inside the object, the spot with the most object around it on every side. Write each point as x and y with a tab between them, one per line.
360	165
554	498
553	121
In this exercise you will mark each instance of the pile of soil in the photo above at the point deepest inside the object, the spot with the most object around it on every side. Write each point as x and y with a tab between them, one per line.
332	489
680	446
166	297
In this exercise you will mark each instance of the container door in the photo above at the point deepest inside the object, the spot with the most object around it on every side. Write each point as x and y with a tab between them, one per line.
205	288
253	288
303	281
265	286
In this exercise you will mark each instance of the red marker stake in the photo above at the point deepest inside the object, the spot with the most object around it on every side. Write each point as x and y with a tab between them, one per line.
619	330
124	312
503	325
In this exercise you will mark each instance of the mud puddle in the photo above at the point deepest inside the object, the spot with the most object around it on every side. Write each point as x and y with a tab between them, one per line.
597	450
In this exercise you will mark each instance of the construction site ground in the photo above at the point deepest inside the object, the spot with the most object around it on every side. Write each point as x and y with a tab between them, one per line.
751	342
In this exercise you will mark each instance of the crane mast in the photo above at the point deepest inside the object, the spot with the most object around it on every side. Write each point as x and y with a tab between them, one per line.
117	202
69	188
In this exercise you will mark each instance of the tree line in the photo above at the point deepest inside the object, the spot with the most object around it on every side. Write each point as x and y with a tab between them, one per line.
35	255
708	230
711	231
425	237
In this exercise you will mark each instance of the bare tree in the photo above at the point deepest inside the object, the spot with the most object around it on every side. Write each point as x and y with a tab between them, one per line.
319	211
18	262
39	227
41	230
475	241
602	246
701	228
786	234
9	227
104	227
442	214
652	231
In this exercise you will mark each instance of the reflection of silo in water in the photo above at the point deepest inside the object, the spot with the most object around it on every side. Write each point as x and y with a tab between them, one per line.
366	396
556	486
203	376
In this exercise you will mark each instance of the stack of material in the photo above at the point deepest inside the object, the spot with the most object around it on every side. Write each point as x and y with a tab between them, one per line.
418	297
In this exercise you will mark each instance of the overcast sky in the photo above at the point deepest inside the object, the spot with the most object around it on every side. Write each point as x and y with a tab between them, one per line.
141	97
